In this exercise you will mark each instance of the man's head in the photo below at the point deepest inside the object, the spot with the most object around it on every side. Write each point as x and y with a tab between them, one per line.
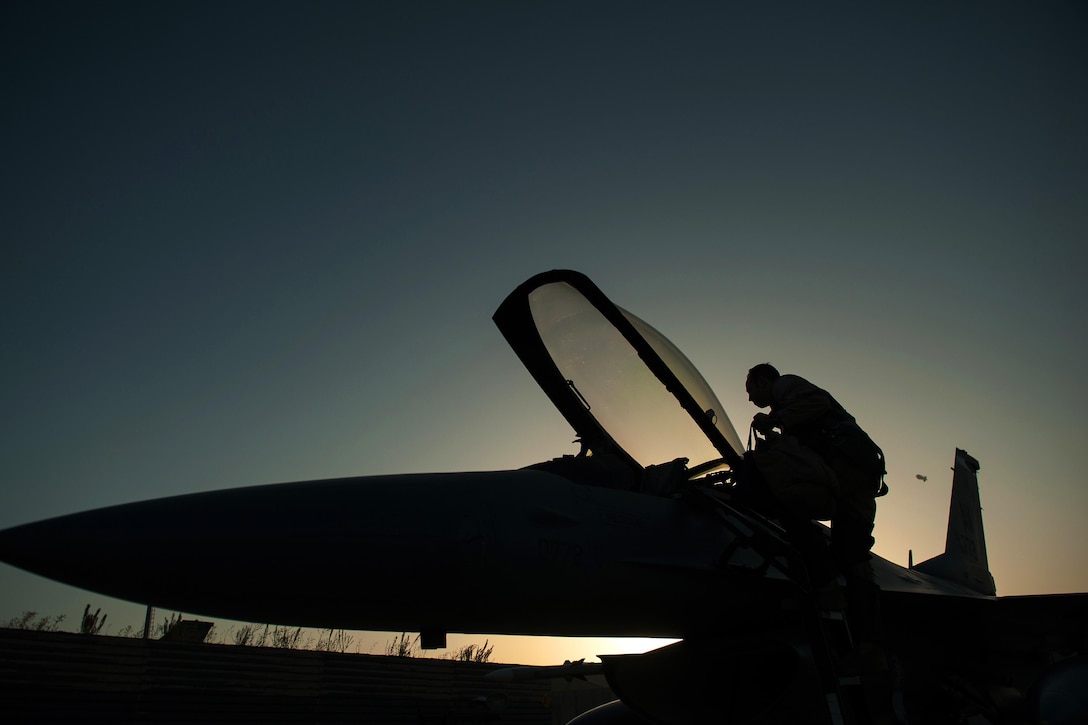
758	384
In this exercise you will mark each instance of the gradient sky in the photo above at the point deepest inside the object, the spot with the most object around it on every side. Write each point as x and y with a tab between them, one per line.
256	242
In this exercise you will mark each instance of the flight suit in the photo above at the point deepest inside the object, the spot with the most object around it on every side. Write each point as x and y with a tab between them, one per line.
820	423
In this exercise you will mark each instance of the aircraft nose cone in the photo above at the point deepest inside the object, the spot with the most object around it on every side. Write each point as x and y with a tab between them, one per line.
30	547
97	550
306	553
56	548
14	543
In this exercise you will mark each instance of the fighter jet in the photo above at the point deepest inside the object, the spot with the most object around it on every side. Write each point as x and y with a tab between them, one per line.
637	534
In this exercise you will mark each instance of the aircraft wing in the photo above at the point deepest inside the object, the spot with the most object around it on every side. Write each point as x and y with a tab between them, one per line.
1055	621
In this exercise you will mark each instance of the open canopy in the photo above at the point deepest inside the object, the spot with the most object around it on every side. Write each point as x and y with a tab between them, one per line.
620	383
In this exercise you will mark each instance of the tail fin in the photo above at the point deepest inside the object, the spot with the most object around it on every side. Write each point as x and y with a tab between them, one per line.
964	559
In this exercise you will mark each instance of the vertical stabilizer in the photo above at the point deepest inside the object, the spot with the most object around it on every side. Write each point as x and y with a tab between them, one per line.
964	559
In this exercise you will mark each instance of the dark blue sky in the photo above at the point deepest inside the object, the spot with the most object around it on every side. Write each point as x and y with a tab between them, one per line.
252	242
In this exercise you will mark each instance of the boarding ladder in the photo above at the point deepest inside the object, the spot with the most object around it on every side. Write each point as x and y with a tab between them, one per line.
850	699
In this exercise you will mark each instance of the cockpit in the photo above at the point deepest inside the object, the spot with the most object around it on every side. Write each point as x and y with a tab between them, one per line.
629	393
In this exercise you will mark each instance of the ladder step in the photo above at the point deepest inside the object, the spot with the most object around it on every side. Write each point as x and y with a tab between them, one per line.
834	709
